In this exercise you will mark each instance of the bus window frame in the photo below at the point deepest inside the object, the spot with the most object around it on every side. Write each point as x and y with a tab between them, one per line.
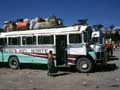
74	34
32	36
13	37
53	42
5	42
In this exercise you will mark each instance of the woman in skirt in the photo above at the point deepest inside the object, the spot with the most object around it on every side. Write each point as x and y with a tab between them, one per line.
51	67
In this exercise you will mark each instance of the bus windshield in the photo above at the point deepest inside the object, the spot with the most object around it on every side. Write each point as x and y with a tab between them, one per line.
98	40
95	40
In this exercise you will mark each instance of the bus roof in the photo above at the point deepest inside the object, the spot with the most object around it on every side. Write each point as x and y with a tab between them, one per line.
72	29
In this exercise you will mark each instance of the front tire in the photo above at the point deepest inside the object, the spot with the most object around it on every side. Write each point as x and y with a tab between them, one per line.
14	63
84	65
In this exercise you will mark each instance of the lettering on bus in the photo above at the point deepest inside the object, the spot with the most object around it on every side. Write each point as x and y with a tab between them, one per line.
32	50
42	50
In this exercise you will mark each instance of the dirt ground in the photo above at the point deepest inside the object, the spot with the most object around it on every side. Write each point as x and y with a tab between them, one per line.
35	78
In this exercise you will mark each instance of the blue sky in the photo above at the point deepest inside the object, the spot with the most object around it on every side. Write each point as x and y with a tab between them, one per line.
104	12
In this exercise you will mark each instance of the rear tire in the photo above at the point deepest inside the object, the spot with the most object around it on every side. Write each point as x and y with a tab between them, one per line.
84	65
14	63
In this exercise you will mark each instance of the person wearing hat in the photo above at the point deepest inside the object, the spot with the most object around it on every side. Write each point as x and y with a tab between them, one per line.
6	25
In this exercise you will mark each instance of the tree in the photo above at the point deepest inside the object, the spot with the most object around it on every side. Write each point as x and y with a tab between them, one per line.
111	27
98	27
81	22
111	34
1	30
116	36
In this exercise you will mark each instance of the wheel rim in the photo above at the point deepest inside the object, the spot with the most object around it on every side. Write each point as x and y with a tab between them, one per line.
13	63
84	66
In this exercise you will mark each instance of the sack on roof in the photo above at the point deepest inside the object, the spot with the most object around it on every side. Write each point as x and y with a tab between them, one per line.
41	20
42	25
22	24
52	20
9	26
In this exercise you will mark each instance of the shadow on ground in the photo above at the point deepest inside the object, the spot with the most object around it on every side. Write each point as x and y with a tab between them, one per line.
26	66
60	74
99	68
34	66
106	68
113	58
4	65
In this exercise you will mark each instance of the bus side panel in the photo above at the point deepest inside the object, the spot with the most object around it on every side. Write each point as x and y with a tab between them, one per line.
26	58
6	56
32	59
93	55
79	49
74	51
1	57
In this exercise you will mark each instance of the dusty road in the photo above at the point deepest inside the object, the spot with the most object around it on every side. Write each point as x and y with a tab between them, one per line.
107	78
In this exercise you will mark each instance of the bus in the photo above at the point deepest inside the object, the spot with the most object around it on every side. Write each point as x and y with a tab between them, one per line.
70	45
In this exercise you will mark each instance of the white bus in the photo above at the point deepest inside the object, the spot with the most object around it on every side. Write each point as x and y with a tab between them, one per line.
69	46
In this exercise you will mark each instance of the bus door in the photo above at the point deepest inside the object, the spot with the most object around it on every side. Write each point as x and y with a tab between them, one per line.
61	52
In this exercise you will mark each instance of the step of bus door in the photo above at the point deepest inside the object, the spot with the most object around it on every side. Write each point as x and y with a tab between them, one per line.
64	65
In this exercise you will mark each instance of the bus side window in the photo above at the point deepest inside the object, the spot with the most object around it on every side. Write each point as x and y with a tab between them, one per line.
75	38
3	41
31	40
45	39
14	41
